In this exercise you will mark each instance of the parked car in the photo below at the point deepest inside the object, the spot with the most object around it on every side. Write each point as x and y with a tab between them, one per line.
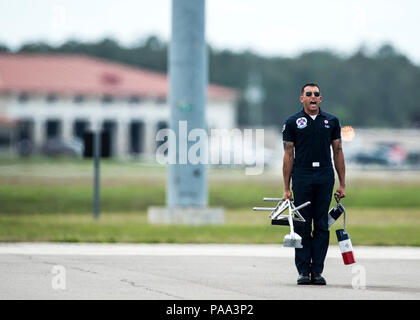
58	147
25	147
389	154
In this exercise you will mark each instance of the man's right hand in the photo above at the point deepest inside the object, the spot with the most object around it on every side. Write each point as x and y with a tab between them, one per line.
287	195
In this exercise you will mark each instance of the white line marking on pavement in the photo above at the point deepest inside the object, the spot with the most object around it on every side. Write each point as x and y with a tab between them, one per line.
231	250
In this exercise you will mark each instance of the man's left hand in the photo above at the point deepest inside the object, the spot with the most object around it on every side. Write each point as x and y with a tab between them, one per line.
341	191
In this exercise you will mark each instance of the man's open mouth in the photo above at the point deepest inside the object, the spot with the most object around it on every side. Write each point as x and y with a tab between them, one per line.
313	103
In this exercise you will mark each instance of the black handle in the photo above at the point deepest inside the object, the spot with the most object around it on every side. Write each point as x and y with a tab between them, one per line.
336	197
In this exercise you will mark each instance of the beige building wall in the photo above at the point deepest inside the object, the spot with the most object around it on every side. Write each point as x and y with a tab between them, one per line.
220	114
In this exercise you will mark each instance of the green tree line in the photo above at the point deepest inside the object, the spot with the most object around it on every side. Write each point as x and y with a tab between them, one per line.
363	89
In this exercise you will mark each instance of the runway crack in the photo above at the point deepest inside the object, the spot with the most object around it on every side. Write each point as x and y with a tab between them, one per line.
136	285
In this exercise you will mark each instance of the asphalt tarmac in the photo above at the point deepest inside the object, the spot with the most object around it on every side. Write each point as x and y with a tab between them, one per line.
195	271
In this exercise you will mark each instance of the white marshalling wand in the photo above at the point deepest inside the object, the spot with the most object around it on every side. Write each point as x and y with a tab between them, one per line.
291	239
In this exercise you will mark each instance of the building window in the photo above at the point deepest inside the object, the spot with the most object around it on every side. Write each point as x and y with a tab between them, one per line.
134	100
106	99
161	100
79	99
23	97
5	139
51	98
25	129
79	128
136	137
53	129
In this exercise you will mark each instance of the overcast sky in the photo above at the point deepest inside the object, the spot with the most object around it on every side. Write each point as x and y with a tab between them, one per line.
269	27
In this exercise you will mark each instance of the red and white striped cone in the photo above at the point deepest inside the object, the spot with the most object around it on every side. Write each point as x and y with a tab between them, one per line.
345	246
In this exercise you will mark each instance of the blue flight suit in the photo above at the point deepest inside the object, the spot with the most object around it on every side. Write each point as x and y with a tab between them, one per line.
312	180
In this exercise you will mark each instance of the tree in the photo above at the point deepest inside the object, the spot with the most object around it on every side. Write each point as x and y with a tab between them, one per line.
363	89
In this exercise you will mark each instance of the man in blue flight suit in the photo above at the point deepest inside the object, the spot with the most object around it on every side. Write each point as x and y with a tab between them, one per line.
307	138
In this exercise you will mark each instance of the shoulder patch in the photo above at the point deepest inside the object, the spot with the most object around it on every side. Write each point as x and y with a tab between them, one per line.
301	122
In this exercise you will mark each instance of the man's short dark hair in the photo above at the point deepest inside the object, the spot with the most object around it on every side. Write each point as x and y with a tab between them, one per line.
309	85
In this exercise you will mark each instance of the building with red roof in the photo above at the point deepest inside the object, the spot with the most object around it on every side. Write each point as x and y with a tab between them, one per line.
55	96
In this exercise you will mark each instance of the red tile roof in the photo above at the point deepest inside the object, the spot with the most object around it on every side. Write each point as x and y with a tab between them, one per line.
82	75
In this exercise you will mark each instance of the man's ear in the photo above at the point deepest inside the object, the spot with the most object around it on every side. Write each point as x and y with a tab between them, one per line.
320	98
301	98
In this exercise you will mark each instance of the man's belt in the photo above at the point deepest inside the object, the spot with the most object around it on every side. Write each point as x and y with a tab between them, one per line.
313	164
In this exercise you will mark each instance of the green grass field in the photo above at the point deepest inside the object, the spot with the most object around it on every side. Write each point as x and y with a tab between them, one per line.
45	200
242	226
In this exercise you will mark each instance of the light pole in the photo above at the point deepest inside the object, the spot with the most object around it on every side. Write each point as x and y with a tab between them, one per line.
187	183
186	190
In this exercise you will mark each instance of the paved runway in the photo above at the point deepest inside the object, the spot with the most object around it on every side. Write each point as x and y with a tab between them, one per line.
193	271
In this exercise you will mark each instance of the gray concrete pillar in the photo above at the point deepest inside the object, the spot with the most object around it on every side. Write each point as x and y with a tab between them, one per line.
67	129
149	139
122	138
187	183
39	132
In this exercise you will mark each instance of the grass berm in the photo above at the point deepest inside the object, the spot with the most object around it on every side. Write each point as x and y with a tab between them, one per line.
51	200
